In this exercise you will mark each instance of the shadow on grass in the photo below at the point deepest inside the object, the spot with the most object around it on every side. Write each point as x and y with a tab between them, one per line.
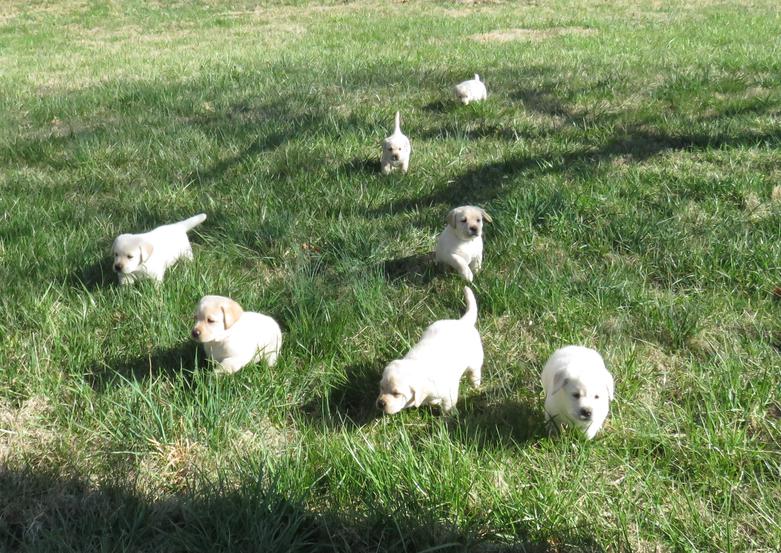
56	510
362	165
418	268
351	402
502	425
180	361
94	276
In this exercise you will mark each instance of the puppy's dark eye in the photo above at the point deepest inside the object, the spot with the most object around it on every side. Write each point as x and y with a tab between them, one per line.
479	221
210	320
130	257
463	220
576	395
596	396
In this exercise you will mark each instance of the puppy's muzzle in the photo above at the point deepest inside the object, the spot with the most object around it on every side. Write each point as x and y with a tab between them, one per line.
118	267
195	334
474	231
395	157
585	413
380	403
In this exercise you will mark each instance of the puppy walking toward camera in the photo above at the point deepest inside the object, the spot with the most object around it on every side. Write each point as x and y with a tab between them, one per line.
578	389
431	372
396	150
234	337
471	91
460	245
148	255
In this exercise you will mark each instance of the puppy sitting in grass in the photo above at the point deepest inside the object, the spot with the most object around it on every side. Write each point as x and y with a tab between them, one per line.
431	372
234	337
578	389
396	150
471	91
148	255
460	245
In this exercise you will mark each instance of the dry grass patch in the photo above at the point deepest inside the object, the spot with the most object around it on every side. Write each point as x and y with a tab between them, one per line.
530	35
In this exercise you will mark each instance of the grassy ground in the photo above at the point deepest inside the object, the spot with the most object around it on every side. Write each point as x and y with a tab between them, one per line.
629	156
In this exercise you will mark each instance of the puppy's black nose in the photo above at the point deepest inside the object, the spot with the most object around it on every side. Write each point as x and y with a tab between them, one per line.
395	157
473	230
117	267
585	412
195	333
381	403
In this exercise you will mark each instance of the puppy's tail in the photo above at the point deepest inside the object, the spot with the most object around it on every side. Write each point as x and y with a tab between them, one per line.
397	128
471	307
192	222
477	77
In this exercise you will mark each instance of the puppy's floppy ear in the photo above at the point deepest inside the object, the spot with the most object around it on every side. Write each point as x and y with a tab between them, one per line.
231	311
559	381
451	217
486	216
610	387
418	393
145	250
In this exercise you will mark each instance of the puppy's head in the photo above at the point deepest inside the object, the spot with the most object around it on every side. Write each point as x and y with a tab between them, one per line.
397	389
130	251
396	147
214	316
583	400
467	221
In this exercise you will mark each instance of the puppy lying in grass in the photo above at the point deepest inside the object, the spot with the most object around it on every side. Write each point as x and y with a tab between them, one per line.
431	372
460	245
234	337
396	150
471	91
578	389
148	255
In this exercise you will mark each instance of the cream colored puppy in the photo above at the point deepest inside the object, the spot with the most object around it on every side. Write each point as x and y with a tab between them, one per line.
396	150
431	372
471	91
234	337
148	255
460	245
578	389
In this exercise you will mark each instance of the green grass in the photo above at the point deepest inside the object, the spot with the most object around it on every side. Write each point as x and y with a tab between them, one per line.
629	153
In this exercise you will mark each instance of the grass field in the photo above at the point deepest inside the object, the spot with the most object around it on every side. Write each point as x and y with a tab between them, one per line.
629	153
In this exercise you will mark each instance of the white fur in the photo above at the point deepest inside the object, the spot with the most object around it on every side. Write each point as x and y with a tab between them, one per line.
472	90
577	371
460	245
148	255
431	372
234	337
396	150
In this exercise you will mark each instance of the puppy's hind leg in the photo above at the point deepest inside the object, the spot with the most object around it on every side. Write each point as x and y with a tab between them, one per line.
229	365
474	375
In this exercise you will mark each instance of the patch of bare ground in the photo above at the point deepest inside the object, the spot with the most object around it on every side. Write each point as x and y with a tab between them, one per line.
530	35
23	428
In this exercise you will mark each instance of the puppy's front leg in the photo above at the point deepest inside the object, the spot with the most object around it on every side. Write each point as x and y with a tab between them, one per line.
386	168
475	376
459	265
405	166
476	263
229	365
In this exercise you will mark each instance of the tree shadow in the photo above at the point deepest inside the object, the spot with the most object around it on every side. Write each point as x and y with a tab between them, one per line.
54	509
362	165
177	362
94	276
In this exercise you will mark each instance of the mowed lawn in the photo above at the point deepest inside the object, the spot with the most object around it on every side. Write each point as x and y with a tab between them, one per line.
629	154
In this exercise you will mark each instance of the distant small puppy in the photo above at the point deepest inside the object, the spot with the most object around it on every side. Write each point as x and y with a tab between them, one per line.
431	372
234	337
578	389
396	150
460	245
471	91
148	255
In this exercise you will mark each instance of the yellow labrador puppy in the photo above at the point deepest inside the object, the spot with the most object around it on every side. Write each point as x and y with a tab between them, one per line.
234	337
460	245
578	389
472	90
148	255
396	150
431	372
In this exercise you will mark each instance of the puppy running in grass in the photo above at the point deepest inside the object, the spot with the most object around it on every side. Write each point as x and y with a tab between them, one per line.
234	337
460	245
148	255
471	91
431	372
396	150
578	389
